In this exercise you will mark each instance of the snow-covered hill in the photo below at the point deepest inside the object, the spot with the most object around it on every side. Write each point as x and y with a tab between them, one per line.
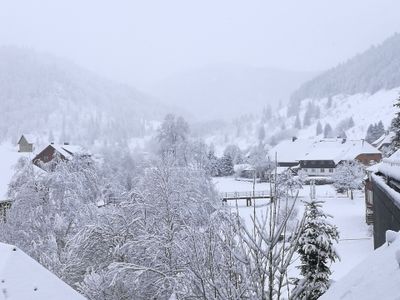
43	94
363	109
369	72
348	98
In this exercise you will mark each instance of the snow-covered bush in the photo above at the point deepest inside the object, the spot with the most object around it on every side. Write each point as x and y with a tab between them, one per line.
348	176
391	236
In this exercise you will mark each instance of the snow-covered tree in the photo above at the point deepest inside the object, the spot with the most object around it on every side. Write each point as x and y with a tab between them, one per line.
318	129
348	176
297	122
48	208
374	132
234	152
316	252
225	166
328	132
261	134
173	139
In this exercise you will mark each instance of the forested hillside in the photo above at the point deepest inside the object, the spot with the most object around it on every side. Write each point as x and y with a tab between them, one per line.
49	96
376	69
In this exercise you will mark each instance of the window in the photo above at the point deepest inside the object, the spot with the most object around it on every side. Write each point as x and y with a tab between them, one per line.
322	170
330	170
305	170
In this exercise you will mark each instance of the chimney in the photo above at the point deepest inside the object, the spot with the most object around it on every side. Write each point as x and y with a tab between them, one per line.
294	138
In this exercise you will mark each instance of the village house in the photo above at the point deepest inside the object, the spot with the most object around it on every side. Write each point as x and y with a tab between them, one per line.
384	141
25	143
320	157
61	151
325	155
288	153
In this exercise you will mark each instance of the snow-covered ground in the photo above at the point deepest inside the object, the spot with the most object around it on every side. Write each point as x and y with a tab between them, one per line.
376	277
348	215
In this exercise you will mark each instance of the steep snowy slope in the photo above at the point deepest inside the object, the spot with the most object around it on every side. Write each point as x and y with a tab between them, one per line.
374	70
41	93
348	98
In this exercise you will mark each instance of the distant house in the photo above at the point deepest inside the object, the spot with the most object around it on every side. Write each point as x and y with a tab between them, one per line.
63	152
288	153
325	155
384	141
25	143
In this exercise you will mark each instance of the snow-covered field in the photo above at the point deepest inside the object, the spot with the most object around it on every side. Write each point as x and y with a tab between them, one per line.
348	215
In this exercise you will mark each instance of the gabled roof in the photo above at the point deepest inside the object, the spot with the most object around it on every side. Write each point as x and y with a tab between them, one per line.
291	151
338	150
24	278
30	138
385	139
68	150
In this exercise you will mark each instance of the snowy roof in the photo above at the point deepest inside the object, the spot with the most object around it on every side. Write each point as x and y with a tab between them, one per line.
322	149
377	277
338	150
24	278
69	150
291	151
385	139
30	138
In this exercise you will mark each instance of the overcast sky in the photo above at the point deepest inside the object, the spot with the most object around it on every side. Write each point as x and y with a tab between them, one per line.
142	41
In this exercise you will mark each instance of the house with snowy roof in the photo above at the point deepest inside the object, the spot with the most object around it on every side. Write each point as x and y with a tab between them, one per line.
25	143
63	152
384	141
288	153
325	155
21	277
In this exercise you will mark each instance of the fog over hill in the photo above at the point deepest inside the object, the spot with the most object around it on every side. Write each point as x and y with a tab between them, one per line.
226	91
373	70
43	94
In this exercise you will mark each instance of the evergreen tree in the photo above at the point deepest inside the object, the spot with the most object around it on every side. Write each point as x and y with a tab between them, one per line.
395	127
308	114
225	166
328	132
261	134
297	123
329	102
316	252
319	128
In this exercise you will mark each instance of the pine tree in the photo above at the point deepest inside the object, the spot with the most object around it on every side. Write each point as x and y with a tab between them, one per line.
261	134
297	123
328	132
308	115
316	252
225	166
319	128
329	102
